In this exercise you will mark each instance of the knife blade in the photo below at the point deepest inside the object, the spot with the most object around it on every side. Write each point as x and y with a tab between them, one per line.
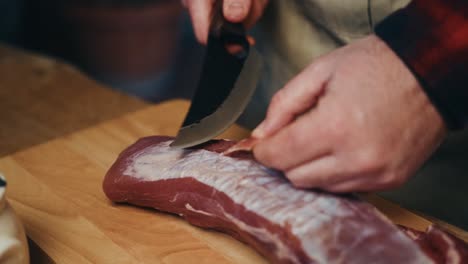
226	86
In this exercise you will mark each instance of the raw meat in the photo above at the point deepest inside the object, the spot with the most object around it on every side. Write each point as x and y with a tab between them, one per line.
236	195
441	246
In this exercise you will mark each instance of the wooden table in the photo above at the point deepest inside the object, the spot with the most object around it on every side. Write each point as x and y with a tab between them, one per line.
60	132
41	99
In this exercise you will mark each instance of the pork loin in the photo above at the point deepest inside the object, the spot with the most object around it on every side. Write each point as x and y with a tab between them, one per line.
236	195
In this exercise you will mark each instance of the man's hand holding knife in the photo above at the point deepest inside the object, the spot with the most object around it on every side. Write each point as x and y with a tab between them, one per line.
356	119
236	11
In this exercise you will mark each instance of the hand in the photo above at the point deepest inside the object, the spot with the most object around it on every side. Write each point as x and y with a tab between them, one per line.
235	11
354	120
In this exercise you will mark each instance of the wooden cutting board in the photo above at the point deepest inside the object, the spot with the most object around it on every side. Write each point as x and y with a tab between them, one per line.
56	190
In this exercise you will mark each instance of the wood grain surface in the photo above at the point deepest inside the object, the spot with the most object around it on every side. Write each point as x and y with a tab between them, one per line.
42	98
56	189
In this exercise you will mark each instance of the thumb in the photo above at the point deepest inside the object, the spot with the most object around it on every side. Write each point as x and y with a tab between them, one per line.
236	11
297	97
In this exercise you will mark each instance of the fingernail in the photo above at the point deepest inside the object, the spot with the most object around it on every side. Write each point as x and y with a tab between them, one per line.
235	10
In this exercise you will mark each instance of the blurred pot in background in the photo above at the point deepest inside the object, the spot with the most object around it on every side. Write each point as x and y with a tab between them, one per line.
13	243
10	20
130	45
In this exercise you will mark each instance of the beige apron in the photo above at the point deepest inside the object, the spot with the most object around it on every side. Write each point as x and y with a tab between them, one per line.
294	32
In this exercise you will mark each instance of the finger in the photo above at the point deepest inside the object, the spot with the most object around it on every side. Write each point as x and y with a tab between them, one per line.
200	12
317	173
361	184
325	173
301	141
236	10
298	96
365	182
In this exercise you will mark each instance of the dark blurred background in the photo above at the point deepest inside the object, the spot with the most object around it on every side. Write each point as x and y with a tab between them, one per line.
143	47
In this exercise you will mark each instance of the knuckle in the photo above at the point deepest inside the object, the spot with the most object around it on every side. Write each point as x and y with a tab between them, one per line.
392	179
288	154
369	160
265	155
338	121
337	129
277	99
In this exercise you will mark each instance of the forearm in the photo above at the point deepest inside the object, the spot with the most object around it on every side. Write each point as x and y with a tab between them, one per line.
431	37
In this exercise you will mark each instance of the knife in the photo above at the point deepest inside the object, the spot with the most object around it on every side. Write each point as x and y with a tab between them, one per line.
227	82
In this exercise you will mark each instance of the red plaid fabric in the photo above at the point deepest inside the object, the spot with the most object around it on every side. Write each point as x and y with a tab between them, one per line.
431	37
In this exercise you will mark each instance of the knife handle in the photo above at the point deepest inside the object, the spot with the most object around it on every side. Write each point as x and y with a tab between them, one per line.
228	32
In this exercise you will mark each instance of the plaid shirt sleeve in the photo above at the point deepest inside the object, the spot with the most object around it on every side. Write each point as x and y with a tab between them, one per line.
431	37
